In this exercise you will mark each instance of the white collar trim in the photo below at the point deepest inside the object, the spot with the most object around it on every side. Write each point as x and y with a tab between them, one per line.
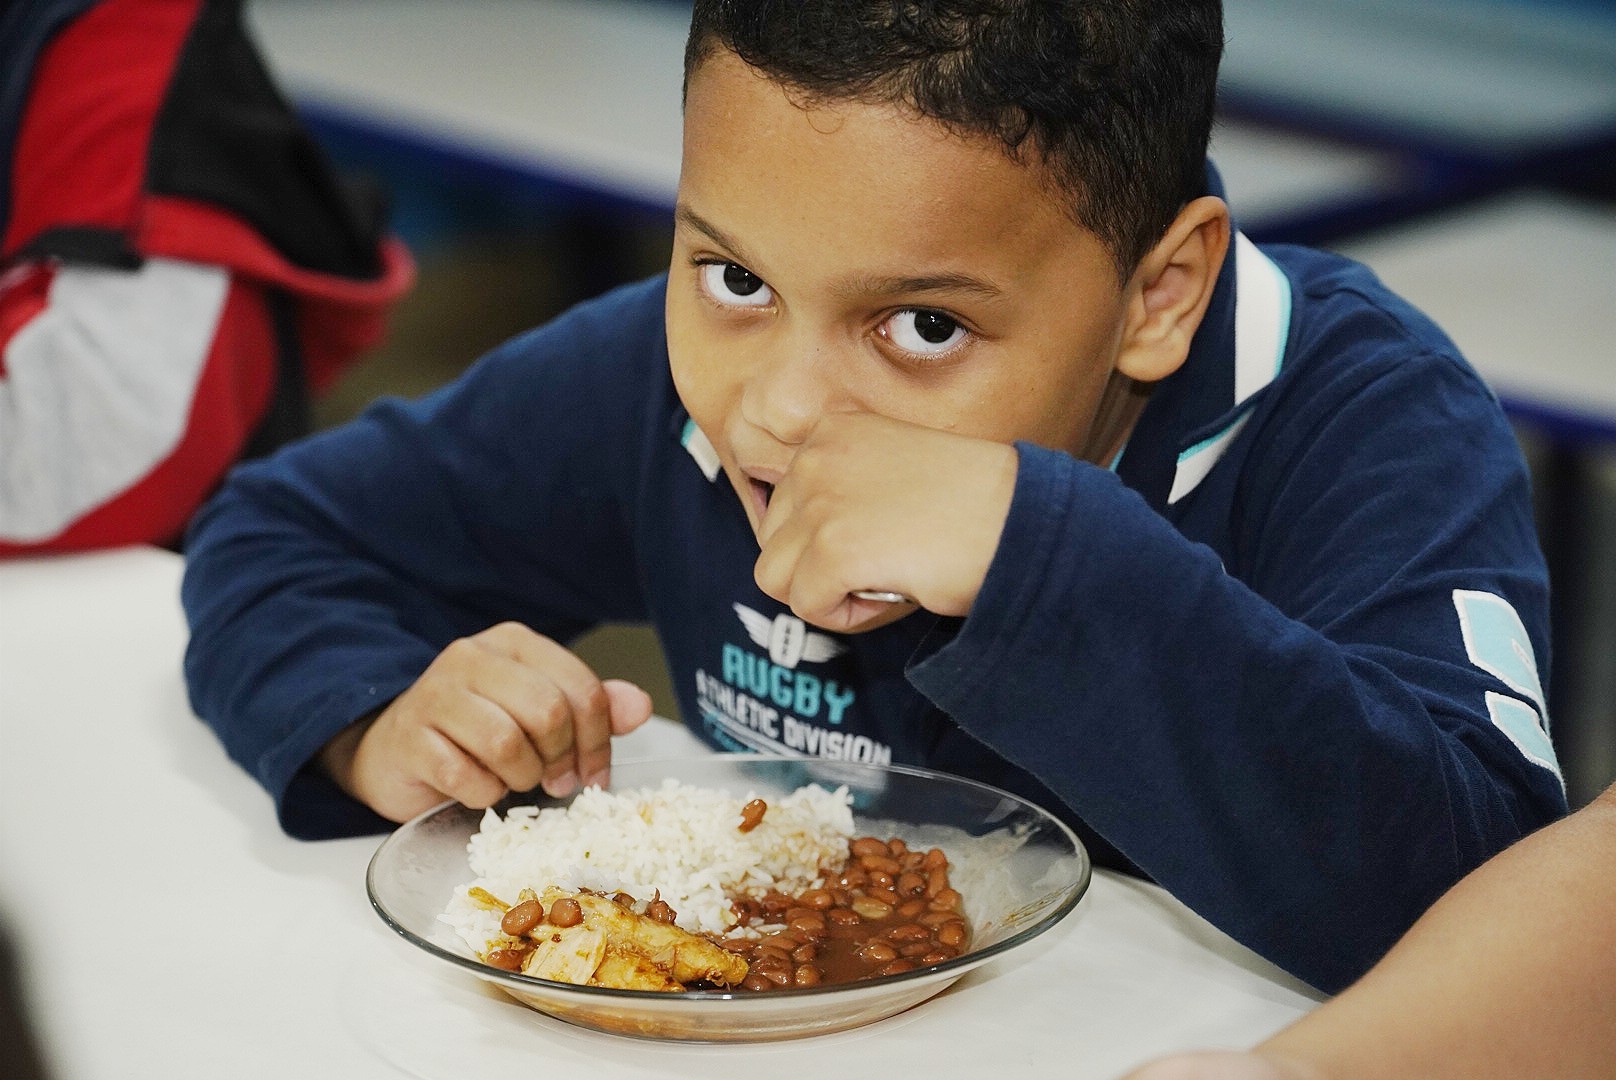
700	449
1262	322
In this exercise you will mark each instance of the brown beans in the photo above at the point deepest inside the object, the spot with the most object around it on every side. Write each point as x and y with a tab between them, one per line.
660	911
884	864
751	814
889	910
812	924
910	910
566	912
522	918
875	952
868	907
818	899
507	959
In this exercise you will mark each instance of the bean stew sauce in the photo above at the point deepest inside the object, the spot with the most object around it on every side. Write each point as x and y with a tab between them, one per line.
889	910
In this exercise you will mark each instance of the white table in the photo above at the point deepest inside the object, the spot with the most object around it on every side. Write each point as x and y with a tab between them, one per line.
167	928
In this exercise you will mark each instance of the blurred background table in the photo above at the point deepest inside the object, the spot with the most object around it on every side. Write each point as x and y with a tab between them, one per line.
166	928
1348	113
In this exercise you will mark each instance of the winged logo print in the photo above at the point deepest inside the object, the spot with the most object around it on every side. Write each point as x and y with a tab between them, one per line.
788	638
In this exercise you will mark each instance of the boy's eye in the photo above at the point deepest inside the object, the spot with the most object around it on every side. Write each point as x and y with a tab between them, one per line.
923	332
735	285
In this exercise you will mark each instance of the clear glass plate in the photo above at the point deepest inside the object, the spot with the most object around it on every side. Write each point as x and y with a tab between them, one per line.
1018	868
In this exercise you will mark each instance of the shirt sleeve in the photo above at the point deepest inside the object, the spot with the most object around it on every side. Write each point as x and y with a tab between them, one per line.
1311	734
321	582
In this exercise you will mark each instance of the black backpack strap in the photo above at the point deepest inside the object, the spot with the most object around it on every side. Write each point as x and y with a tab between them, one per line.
225	135
289	415
84	244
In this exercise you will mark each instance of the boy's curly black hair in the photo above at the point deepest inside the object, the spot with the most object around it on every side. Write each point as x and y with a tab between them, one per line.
1115	97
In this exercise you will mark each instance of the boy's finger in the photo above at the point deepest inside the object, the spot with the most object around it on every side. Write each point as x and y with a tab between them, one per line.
484	724
779	562
590	728
821	586
446	766
573	734
781	511
629	707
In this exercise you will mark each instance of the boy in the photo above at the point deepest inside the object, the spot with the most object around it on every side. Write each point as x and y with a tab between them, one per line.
1224	555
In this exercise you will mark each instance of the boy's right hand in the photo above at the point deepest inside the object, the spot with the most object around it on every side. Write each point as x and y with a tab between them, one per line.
504	710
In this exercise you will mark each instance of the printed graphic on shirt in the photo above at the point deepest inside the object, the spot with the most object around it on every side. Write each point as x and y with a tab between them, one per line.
762	697
1496	642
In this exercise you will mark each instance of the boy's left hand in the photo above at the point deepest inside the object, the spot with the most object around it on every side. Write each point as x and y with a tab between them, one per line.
869	502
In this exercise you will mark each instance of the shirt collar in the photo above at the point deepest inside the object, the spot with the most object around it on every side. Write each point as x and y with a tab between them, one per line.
1196	413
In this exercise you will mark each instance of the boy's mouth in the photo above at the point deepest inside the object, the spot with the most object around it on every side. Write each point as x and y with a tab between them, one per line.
762	492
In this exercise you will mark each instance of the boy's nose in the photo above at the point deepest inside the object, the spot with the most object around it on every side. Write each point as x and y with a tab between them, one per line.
788	391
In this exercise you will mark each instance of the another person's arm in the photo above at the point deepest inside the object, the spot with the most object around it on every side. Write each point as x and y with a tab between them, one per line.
1511	974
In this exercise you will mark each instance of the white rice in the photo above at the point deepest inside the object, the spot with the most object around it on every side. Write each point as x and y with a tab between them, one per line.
677	839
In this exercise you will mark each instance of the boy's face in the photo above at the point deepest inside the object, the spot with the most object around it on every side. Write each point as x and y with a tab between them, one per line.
853	258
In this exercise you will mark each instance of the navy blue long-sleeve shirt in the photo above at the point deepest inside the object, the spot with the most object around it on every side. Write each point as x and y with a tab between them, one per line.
1283	659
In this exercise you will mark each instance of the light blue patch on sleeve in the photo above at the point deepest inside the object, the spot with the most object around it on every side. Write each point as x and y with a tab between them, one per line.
1519	721
1497	642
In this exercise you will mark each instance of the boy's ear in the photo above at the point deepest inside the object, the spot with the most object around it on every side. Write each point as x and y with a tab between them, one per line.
1170	289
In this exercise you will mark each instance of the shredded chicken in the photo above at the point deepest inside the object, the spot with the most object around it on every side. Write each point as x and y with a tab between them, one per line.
618	947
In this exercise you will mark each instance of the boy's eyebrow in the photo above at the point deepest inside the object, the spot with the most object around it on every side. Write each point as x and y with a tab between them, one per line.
684	215
891	285
901	284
